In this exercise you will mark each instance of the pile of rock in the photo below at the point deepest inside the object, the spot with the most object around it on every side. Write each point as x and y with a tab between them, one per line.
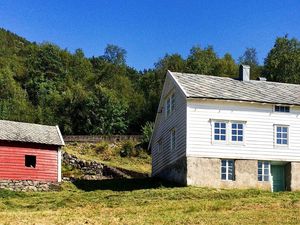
29	185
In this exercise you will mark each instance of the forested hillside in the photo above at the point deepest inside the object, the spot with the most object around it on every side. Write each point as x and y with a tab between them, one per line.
45	84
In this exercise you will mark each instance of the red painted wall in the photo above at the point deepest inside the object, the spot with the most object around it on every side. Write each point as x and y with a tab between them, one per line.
12	162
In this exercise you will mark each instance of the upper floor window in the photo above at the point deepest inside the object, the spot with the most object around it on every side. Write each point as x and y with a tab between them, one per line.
170	104
220	131
227	169
282	135
263	171
280	108
173	139
237	132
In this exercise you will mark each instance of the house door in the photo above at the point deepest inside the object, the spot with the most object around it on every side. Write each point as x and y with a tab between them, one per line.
277	172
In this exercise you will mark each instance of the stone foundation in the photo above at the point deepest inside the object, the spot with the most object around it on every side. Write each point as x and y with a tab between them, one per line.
175	172
28	185
295	176
206	172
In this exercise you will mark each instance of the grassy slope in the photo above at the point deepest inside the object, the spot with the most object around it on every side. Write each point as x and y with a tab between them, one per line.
111	156
148	202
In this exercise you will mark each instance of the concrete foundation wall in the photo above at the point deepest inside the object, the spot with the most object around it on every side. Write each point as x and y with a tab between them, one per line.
175	172
295	176
206	172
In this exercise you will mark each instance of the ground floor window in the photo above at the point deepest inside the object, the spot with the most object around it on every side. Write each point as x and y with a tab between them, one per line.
227	169
30	161
263	171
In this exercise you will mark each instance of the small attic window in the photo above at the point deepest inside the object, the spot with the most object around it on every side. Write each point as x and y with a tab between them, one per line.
281	108
30	161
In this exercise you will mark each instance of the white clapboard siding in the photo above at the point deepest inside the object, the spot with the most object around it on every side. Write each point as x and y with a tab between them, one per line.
163	126
259	130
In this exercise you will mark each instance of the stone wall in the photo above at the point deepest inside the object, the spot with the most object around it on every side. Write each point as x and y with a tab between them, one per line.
295	176
28	185
175	172
99	138
206	172
92	170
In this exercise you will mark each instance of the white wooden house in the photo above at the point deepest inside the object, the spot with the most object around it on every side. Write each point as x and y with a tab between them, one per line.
227	133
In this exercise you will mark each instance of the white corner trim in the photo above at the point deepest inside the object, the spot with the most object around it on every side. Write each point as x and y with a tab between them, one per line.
58	165
178	84
61	137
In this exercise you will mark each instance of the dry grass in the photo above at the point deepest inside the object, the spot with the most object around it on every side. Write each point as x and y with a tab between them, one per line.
148	201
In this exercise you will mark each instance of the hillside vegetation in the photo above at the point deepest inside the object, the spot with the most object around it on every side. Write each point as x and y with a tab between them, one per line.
147	201
109	154
46	84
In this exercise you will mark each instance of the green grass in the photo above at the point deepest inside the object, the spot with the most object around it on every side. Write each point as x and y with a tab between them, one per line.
110	156
147	201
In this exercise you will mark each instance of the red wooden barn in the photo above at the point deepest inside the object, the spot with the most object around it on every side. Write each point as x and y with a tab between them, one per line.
30	151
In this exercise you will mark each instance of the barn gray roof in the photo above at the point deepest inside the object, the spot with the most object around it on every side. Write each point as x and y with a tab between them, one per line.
205	86
30	133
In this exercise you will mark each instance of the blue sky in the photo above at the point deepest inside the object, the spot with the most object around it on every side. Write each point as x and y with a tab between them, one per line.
149	29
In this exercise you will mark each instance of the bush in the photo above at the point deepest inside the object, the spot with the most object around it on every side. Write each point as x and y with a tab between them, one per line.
101	147
147	130
127	149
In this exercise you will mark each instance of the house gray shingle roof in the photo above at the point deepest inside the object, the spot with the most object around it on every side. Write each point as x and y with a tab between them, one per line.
205	86
29	132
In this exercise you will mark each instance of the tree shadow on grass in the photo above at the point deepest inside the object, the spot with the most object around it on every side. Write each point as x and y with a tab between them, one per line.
123	184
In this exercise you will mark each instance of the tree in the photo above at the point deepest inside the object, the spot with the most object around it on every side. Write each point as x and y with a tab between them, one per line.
14	104
202	61
250	58
283	61
115	54
226	67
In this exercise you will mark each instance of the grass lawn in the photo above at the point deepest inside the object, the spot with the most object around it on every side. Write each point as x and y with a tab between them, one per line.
110	155
147	201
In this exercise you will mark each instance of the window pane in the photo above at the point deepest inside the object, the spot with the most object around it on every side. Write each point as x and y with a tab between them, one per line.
284	142
223	170
240	138
234	138
259	164
278	129
259	178
234	126
223	125
240	126
223	131
284	129
259	171
234	132
278	141
217	124
223	176
266	178
223	162
217	131
223	138
240	132
217	137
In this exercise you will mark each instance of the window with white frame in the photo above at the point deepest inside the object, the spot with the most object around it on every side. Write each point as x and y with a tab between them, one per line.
282	108
220	131
263	171
281	135
237	132
173	139
170	104
227	169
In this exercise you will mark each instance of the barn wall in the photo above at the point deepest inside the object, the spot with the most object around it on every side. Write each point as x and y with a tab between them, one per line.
12	162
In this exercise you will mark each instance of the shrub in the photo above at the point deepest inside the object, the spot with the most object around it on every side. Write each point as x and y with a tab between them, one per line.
127	149
101	147
147	130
